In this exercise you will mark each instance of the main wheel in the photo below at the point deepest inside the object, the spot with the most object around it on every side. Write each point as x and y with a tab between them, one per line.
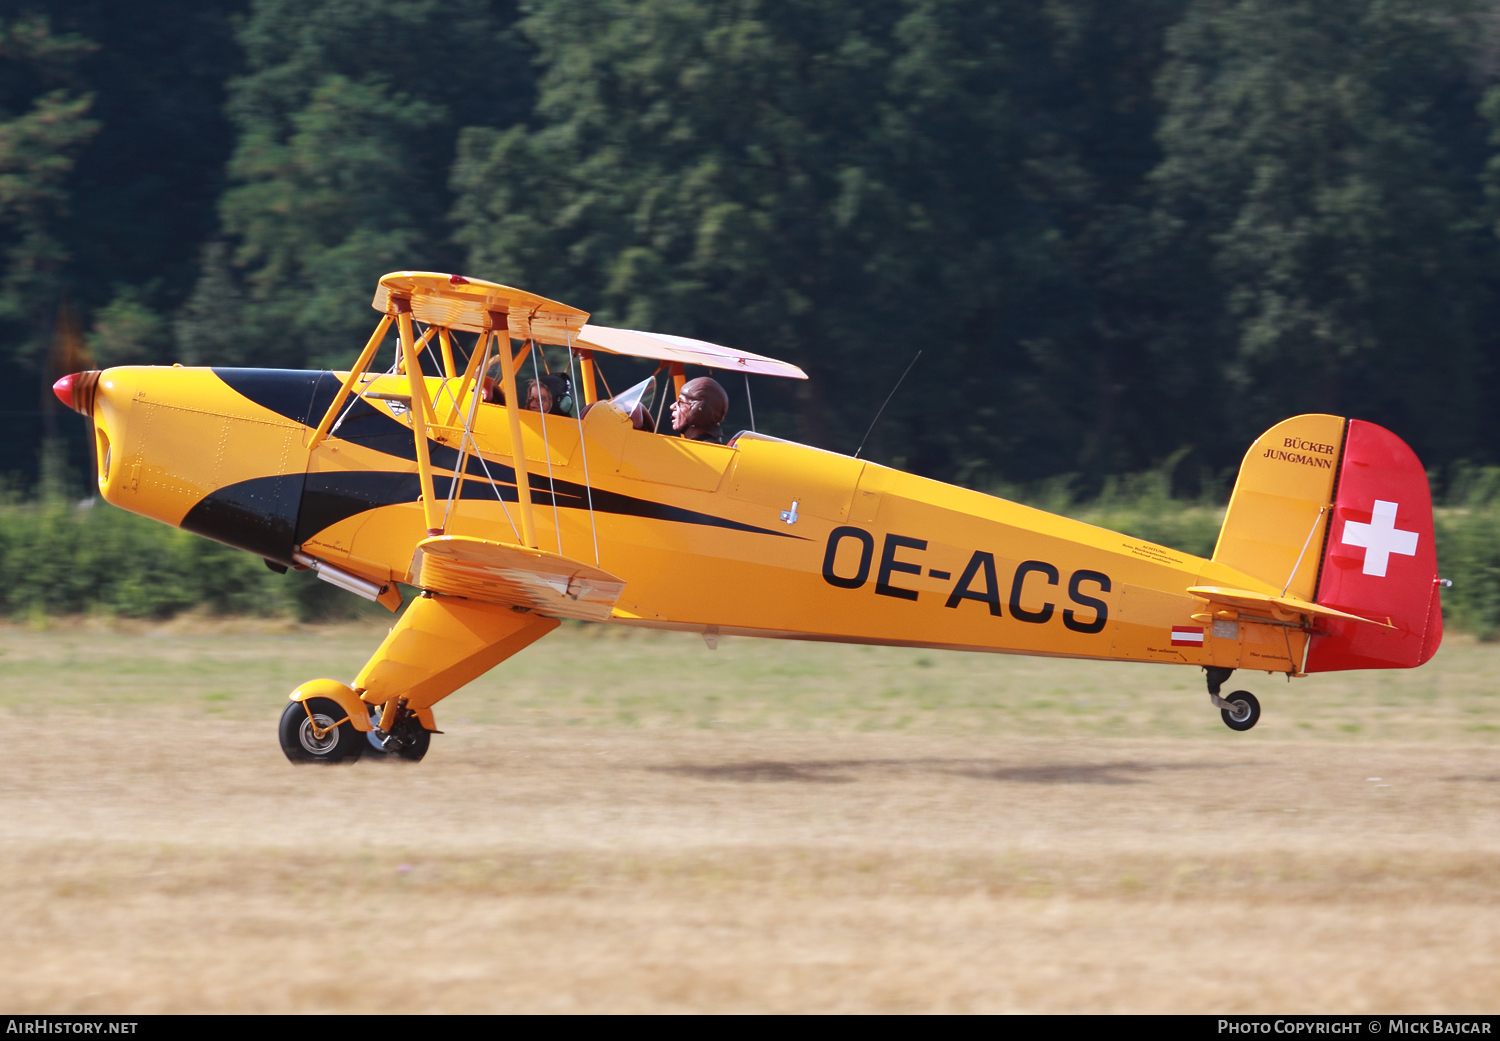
1244	711
416	743
409	741
302	744
374	748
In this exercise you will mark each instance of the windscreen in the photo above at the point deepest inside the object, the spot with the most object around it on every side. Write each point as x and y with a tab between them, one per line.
627	400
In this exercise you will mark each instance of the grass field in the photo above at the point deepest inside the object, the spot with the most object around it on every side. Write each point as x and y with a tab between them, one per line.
620	820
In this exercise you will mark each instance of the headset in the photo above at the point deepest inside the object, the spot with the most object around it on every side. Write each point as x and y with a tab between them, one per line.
561	403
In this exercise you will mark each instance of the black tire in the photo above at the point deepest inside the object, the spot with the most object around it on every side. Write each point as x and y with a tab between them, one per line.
414	741
1249	713
417	743
343	744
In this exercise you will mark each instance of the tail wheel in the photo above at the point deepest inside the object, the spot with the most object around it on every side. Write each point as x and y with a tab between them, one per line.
1243	711
309	735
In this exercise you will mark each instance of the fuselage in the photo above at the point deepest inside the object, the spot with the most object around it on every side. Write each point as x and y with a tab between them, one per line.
761	536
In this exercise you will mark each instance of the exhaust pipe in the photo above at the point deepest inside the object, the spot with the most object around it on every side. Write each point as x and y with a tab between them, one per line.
340	578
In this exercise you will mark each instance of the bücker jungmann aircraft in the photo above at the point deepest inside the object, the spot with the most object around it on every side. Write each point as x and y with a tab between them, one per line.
377	477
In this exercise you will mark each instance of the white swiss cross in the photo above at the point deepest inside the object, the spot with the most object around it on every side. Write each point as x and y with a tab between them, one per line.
1380	538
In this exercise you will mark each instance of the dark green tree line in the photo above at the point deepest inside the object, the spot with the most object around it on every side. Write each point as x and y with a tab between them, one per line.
44	124
346	120
1321	189
1115	230
842	185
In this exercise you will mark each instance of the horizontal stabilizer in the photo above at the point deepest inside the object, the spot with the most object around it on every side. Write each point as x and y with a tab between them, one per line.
502	573
1277	605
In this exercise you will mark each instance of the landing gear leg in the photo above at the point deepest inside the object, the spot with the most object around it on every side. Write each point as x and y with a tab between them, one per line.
373	737
1240	710
437	646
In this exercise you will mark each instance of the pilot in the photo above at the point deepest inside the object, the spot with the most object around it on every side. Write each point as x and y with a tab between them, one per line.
552	394
699	410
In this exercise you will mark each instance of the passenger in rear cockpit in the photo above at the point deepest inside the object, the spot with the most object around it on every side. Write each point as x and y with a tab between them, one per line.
551	395
700	409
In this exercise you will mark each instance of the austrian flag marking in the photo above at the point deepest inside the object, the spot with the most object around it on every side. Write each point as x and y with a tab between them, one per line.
1187	636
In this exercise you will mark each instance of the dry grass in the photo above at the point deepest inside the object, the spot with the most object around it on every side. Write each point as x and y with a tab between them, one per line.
611	677
812	828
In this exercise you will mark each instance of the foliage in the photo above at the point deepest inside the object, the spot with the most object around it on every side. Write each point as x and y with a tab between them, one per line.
43	125
1117	231
346	119
130	157
1320	194
59	558
128	331
840	185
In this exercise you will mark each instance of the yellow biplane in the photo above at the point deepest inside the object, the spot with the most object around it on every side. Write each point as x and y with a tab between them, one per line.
508	519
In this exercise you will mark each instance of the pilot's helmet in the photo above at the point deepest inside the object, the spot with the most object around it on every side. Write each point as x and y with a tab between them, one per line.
708	404
561	389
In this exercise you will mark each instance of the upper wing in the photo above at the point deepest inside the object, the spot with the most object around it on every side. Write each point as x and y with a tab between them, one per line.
471	304
662	347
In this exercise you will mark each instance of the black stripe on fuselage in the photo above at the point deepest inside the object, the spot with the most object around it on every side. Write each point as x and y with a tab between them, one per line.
259	515
303	397
328	498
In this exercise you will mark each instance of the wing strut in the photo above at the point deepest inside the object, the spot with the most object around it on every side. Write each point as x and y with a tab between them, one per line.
547	451
420	409
586	365
365	357
500	323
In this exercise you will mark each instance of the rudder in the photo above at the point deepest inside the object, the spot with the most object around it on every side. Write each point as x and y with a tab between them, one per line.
1381	559
1338	512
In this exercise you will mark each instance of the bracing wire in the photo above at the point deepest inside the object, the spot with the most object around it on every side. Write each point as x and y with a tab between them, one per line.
354	399
495	487
546	449
438	363
583	447
469	441
358	394
883	404
1307	542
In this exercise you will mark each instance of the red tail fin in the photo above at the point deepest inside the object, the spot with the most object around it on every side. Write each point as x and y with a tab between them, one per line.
1379	561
